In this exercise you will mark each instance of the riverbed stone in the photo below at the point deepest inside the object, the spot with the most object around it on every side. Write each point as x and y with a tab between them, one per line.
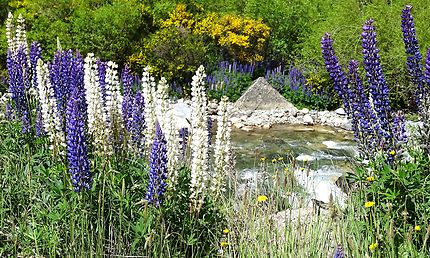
308	120
340	111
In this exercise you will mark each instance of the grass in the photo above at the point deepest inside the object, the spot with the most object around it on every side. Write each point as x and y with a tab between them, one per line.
41	216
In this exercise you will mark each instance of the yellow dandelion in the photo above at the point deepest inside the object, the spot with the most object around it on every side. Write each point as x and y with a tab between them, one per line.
369	204
302	168
286	170
263	159
262	198
392	153
273	160
281	158
224	244
226	231
373	246
417	228
370	179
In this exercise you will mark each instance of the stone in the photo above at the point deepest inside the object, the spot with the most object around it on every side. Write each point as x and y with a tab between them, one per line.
304	111
262	96
247	128
238	125
308	120
340	111
235	120
266	126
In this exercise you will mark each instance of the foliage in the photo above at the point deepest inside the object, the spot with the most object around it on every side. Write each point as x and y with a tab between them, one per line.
401	199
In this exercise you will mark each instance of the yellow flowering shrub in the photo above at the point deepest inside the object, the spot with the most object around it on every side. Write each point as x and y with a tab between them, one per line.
243	38
179	18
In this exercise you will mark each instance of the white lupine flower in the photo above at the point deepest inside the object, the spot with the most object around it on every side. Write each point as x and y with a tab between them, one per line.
97	126
113	105
222	149
9	33
21	35
48	108
148	92
199	140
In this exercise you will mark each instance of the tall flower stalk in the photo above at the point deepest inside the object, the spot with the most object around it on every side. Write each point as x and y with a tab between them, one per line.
222	149
138	124
77	150
97	127
48	108
148	92
158	169
199	140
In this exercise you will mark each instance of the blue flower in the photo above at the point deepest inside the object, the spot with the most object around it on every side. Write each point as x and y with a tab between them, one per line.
158	169
137	122
77	150
414	57
333	67
127	103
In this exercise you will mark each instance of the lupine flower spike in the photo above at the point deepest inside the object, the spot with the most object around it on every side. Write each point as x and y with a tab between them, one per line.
158	169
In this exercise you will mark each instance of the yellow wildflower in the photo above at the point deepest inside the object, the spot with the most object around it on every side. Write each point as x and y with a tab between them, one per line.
226	231
373	246
302	168
417	228
369	204
393	152
224	244
370	179
273	160
262	198
263	159
286	170
281	158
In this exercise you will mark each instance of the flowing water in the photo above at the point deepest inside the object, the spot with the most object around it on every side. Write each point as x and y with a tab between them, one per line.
326	150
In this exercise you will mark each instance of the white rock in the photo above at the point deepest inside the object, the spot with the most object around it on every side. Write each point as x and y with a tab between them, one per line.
266	126
305	157
340	111
308	120
304	111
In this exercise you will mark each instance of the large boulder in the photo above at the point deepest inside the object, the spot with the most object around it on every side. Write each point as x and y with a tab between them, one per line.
262	96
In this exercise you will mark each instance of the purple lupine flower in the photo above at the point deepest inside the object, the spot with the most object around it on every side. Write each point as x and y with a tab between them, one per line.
339	252
138	125
297	80
414	57
77	79
102	66
364	121
377	85
427	68
183	137
17	70
35	54
158	169
334	69
127	103
39	122
77	150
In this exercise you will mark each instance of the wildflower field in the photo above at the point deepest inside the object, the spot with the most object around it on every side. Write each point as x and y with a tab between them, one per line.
94	163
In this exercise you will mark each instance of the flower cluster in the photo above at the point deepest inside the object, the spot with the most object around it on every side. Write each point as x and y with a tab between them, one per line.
414	57
127	102
77	151
378	87
222	149
137	123
93	96
48	108
148	93
333	67
199	140
158	169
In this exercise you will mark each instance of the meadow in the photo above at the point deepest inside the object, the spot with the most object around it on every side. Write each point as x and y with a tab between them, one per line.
93	162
